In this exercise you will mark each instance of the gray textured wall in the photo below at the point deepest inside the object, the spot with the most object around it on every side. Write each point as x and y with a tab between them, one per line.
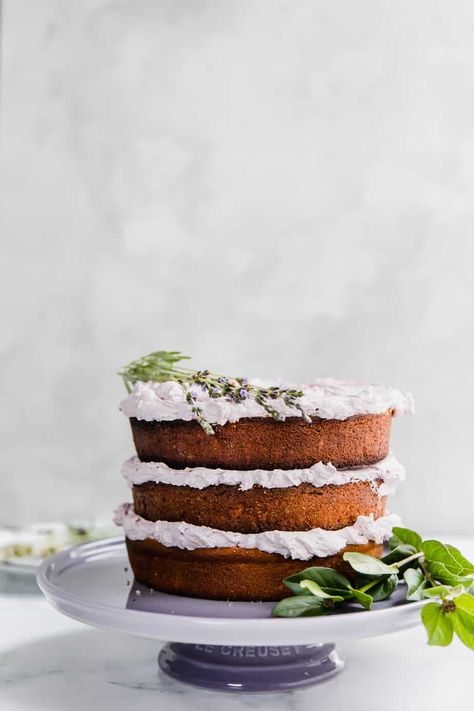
276	188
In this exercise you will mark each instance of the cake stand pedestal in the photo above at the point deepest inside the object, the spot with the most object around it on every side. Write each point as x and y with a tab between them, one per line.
219	645
250	669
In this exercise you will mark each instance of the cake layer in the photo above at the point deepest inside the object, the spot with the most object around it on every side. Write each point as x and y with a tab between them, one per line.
264	443
301	545
388	470
297	508
325	398
225	573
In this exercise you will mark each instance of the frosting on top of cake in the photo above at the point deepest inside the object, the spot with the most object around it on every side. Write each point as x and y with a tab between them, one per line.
389	470
326	398
299	545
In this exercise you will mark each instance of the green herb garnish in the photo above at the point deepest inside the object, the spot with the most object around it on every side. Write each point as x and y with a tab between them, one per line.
162	366
430	569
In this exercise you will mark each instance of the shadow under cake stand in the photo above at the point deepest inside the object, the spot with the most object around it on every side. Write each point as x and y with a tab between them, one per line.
220	645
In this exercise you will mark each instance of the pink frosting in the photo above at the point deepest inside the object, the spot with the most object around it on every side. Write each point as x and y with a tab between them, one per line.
327	398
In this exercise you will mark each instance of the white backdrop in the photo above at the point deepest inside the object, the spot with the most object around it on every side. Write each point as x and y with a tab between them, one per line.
276	188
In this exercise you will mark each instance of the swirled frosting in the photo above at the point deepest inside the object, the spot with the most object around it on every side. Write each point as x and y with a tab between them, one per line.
299	545
326	398
389	470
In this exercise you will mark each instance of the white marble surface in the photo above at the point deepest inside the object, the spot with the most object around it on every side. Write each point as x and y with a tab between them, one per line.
53	663
275	187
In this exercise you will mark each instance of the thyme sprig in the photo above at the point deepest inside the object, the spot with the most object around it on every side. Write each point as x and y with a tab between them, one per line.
162	366
429	569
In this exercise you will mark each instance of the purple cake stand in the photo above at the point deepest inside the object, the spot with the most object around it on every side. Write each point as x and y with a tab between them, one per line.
249	669
220	645
229	667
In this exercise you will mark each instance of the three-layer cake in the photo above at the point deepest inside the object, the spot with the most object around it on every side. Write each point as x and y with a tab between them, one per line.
228	515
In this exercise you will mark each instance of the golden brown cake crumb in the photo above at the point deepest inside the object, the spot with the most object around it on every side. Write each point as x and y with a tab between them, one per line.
296	508
225	573
263	443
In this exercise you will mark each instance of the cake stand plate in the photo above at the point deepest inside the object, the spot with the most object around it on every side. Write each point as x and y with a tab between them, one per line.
220	645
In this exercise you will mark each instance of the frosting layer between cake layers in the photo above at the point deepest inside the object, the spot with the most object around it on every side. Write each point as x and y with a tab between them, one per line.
389	470
300	545
325	398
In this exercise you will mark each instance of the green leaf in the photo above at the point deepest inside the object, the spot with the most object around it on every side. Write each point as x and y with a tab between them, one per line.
364	598
447	565
399	553
368	566
329	580
468	567
458	590
464	628
437	624
384	588
442	574
299	606
317	591
450	557
416	583
463	619
407	536
438	591
465	602
393	542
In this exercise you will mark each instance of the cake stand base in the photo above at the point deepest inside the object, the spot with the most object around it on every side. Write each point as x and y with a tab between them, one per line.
249	669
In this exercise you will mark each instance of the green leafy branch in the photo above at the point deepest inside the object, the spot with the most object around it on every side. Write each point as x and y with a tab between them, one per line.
162	366
430	570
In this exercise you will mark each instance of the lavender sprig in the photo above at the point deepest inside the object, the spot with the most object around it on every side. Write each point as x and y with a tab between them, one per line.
162	366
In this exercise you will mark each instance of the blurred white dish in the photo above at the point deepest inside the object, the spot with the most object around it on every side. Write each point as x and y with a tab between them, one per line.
22	550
